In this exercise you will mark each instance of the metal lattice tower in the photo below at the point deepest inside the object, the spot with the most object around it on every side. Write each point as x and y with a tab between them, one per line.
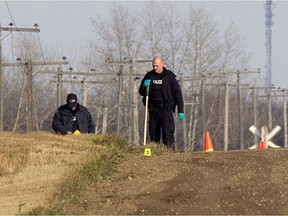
268	24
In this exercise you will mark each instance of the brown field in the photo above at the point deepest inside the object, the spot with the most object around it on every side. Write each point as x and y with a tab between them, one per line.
32	165
34	169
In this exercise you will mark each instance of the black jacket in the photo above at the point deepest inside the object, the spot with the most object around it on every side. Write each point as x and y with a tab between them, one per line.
171	89
63	120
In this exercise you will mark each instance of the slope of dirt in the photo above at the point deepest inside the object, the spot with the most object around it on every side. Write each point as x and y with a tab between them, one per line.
192	183
232	182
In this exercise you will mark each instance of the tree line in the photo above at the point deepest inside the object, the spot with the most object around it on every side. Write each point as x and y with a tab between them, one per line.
205	60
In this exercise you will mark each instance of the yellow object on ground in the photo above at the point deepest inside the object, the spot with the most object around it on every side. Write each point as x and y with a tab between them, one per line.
77	132
147	152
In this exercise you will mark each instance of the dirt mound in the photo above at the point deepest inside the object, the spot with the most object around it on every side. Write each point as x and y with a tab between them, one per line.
232	182
166	183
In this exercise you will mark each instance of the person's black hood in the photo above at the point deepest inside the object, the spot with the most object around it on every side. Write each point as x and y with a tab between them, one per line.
72	100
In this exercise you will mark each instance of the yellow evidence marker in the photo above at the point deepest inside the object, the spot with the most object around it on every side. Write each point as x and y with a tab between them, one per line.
147	152
77	132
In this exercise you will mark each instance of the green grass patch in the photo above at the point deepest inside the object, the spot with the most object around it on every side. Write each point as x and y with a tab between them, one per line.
108	152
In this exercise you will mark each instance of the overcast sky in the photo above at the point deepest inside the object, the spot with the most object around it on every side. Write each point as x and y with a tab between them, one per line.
65	24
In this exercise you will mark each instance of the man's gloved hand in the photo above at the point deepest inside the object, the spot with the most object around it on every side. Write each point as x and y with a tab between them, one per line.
147	82
181	116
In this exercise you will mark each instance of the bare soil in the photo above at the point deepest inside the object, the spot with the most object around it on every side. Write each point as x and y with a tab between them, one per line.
245	182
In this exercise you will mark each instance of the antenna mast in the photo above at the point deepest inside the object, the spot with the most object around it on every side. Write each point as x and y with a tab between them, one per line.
268	24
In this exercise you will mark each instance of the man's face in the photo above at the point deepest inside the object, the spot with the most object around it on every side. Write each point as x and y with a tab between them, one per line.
157	65
72	104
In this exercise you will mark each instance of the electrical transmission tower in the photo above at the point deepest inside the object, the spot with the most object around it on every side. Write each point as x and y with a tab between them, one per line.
268	24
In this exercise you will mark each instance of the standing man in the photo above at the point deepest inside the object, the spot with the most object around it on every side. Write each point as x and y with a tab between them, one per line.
164	95
71	117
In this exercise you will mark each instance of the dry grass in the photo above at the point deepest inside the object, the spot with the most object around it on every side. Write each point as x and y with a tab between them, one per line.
32	166
42	173
27	151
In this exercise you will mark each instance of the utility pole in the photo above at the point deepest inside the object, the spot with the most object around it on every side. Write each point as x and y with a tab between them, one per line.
84	83
226	114
10	29
120	96
285	116
132	74
134	99
202	78
60	81
284	95
226	117
203	104
269	96
240	109
270	119
121	75
255	102
29	64
255	113
239	98
29	95
59	87
187	137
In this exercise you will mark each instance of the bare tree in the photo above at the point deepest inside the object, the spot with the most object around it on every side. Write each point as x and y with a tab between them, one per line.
203	36
118	39
153	27
15	101
203	39
173	45
27	47
191	45
233	53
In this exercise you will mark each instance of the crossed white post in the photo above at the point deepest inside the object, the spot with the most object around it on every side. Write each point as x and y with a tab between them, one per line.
265	136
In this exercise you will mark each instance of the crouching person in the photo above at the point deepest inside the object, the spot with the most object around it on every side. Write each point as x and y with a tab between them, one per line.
72	117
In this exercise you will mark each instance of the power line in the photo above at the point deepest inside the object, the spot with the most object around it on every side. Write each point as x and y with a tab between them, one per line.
10	14
41	49
2	64
11	24
35	25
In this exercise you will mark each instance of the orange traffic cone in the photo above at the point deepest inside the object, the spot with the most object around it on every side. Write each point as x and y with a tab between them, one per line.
208	142
262	145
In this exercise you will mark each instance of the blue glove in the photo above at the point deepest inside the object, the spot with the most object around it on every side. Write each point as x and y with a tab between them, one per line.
147	82
181	116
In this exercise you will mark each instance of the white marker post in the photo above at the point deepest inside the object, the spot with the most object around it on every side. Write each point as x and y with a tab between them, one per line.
265	136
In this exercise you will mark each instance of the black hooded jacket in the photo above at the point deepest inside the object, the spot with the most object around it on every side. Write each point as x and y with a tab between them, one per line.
63	120
171	90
